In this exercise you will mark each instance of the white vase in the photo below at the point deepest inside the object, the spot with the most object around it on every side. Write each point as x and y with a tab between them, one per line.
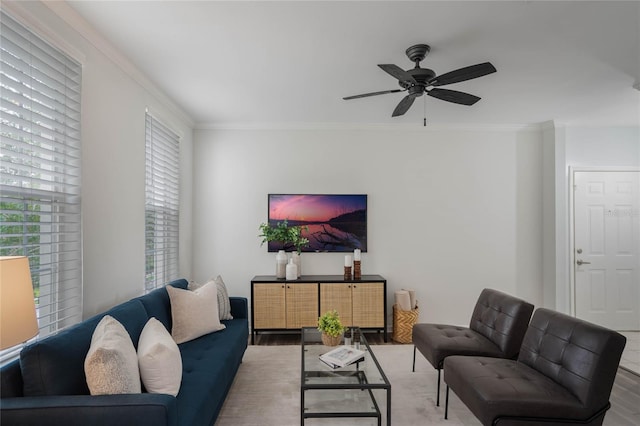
297	259
281	264
292	271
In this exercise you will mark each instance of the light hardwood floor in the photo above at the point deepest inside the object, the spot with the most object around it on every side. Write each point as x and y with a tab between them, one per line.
625	395
631	355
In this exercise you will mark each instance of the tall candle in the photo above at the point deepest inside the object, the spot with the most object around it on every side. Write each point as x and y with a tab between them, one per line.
356	254
347	260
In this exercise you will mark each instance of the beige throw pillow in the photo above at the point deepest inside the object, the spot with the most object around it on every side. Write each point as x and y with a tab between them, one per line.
111	365
194	313
159	359
224	304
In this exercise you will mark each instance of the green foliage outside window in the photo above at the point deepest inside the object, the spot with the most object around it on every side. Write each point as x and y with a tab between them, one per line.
18	239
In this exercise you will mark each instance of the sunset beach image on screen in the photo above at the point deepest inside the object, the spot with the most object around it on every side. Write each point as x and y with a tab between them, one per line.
333	222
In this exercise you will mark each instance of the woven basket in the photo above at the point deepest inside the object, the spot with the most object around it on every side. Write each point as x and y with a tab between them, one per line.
330	340
403	322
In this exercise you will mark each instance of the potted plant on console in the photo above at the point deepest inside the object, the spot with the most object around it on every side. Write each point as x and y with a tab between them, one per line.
331	327
289	237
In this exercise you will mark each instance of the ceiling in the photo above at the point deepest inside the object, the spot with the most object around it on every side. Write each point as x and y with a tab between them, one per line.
285	63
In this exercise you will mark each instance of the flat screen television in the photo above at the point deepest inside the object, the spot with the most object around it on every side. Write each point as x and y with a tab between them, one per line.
334	222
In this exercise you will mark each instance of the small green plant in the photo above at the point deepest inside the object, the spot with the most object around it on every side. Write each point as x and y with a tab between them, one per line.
287	235
330	324
296	238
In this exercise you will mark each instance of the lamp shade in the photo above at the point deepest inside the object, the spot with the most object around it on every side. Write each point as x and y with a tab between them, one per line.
18	322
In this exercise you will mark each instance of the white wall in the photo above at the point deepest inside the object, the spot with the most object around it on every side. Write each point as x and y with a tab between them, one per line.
113	159
603	146
450	211
549	153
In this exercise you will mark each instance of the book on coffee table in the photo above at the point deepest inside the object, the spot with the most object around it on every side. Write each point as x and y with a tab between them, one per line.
342	356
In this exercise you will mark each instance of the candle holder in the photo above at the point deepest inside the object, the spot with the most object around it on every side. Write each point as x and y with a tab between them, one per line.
347	272
357	271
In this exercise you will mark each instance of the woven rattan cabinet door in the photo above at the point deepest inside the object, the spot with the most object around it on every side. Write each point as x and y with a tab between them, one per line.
338	297
269	305
368	304
302	305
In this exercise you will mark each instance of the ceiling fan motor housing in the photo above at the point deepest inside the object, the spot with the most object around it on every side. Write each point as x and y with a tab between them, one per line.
418	52
422	76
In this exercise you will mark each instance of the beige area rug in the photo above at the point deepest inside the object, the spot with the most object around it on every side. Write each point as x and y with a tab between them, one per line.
266	391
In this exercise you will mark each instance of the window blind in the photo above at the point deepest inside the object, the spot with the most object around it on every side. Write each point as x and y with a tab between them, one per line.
40	172
162	204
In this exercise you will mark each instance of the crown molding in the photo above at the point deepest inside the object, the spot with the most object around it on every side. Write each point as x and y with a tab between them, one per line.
26	18
535	127
370	126
97	40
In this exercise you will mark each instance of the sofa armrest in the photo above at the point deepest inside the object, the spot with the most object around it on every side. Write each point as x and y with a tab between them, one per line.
239	307
80	410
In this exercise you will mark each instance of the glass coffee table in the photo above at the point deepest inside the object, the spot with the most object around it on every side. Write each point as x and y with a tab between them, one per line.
341	392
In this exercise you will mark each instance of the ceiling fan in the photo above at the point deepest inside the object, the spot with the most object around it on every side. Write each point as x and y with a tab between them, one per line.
418	81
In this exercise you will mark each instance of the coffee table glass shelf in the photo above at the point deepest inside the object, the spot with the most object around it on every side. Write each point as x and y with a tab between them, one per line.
341	392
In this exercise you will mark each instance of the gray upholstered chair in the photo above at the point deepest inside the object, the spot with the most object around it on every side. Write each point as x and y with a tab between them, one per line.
496	329
563	375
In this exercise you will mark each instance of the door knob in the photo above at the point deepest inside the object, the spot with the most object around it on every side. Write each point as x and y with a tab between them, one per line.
581	262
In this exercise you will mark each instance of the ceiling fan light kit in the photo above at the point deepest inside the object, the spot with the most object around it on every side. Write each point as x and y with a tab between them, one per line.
418	81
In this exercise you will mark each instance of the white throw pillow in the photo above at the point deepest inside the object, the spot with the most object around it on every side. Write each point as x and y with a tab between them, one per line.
224	305
111	365
194	313
193	286
159	359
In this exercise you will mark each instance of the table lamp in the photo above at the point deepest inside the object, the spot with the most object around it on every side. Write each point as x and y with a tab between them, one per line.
18	322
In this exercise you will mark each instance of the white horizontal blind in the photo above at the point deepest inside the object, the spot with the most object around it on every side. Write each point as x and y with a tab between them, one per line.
162	204
40	171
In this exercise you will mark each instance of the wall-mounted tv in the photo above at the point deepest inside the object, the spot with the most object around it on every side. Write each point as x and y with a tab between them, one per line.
336	223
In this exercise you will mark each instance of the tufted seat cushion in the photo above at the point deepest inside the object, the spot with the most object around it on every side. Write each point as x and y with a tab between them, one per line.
438	341
493	387
222	355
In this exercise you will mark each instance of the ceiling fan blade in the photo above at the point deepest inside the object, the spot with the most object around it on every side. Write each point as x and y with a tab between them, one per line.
453	96
397	72
404	105
463	74
364	95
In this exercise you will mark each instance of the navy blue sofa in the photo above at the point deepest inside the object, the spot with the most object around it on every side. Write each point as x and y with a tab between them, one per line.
47	385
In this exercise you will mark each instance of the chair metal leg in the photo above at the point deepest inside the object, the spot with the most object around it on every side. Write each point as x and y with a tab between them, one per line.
438	395
446	404
414	358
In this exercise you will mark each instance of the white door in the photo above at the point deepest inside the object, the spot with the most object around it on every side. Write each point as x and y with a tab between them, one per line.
607	246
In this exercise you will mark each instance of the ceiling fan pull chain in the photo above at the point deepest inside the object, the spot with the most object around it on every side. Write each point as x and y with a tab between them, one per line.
424	98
